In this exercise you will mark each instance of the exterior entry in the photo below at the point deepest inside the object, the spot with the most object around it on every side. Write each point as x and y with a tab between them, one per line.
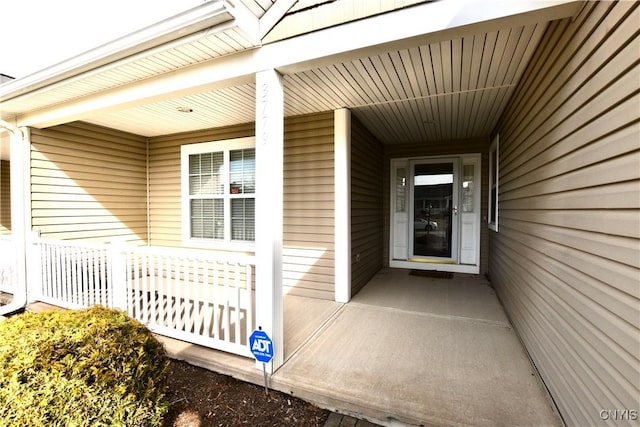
435	213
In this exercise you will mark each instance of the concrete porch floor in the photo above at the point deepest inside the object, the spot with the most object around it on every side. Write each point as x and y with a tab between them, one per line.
406	350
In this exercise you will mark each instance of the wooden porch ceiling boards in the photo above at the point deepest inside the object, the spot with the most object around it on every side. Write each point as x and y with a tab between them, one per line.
455	89
449	90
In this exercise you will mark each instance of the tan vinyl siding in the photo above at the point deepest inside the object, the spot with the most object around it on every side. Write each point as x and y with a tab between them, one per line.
164	179
366	206
88	182
308	266
440	148
5	197
566	261
308	253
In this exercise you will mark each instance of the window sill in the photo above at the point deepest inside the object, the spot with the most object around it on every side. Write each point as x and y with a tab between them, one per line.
222	246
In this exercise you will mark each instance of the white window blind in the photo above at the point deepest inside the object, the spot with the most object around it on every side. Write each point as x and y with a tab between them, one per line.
219	191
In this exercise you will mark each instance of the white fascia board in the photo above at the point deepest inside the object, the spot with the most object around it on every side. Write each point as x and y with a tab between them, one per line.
194	20
416	25
412	26
273	15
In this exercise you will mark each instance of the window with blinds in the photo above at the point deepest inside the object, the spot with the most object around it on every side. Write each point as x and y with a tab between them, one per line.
242	174
218	181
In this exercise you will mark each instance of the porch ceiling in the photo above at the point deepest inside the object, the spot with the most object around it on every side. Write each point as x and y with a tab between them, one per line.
445	75
454	89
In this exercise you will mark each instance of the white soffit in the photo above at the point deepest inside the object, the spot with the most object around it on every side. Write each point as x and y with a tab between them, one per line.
223	107
228	30
200	50
406	87
455	89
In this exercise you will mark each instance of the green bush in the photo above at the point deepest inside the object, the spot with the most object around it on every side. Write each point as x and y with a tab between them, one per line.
93	367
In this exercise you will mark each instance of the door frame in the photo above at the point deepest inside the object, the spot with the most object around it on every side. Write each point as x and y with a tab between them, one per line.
455	239
435	264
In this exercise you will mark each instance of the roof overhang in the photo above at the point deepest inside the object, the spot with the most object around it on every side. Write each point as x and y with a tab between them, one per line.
419	25
176	30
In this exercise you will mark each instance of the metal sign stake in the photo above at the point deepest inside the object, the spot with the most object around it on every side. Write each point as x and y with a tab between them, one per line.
266	384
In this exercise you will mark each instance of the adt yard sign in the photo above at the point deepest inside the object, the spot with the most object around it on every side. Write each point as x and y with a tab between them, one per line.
261	346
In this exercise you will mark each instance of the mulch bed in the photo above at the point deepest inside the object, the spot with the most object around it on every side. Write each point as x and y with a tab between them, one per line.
202	398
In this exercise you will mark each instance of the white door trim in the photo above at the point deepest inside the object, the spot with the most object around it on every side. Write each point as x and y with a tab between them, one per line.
437	264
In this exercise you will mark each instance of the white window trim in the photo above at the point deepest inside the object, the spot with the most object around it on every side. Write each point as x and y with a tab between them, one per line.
207	147
494	179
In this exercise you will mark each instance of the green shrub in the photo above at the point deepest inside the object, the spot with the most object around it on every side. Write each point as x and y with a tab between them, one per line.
93	367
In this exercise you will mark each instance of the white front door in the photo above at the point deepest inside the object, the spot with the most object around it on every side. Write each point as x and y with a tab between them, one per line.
433	196
435	213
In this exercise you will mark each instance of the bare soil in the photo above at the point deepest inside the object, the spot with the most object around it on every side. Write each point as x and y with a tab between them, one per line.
201	398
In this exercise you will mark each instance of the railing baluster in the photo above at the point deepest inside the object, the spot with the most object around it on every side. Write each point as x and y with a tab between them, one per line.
196	297
206	300
133	264
105	296
238	311
93	280
62	275
216	300
166	265
75	291
248	281
153	291
56	291
86	292
49	269
226	302
177	294
188	296
180	294
132	293
160	294
144	317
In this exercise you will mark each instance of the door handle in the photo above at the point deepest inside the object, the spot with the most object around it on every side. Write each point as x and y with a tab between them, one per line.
455	210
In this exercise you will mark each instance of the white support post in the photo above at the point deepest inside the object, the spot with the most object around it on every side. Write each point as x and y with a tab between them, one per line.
269	210
20	150
34	257
342	204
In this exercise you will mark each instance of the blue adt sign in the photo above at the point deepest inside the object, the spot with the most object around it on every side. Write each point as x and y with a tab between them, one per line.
261	346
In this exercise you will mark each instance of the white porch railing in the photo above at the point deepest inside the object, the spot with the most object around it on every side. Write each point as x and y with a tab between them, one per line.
7	264
71	274
194	296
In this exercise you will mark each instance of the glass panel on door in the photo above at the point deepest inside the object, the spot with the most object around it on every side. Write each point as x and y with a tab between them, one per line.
401	214
434	209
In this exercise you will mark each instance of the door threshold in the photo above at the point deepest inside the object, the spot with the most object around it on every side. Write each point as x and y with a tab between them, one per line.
433	260
424	265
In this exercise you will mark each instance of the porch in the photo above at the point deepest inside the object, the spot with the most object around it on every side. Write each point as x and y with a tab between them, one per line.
407	349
